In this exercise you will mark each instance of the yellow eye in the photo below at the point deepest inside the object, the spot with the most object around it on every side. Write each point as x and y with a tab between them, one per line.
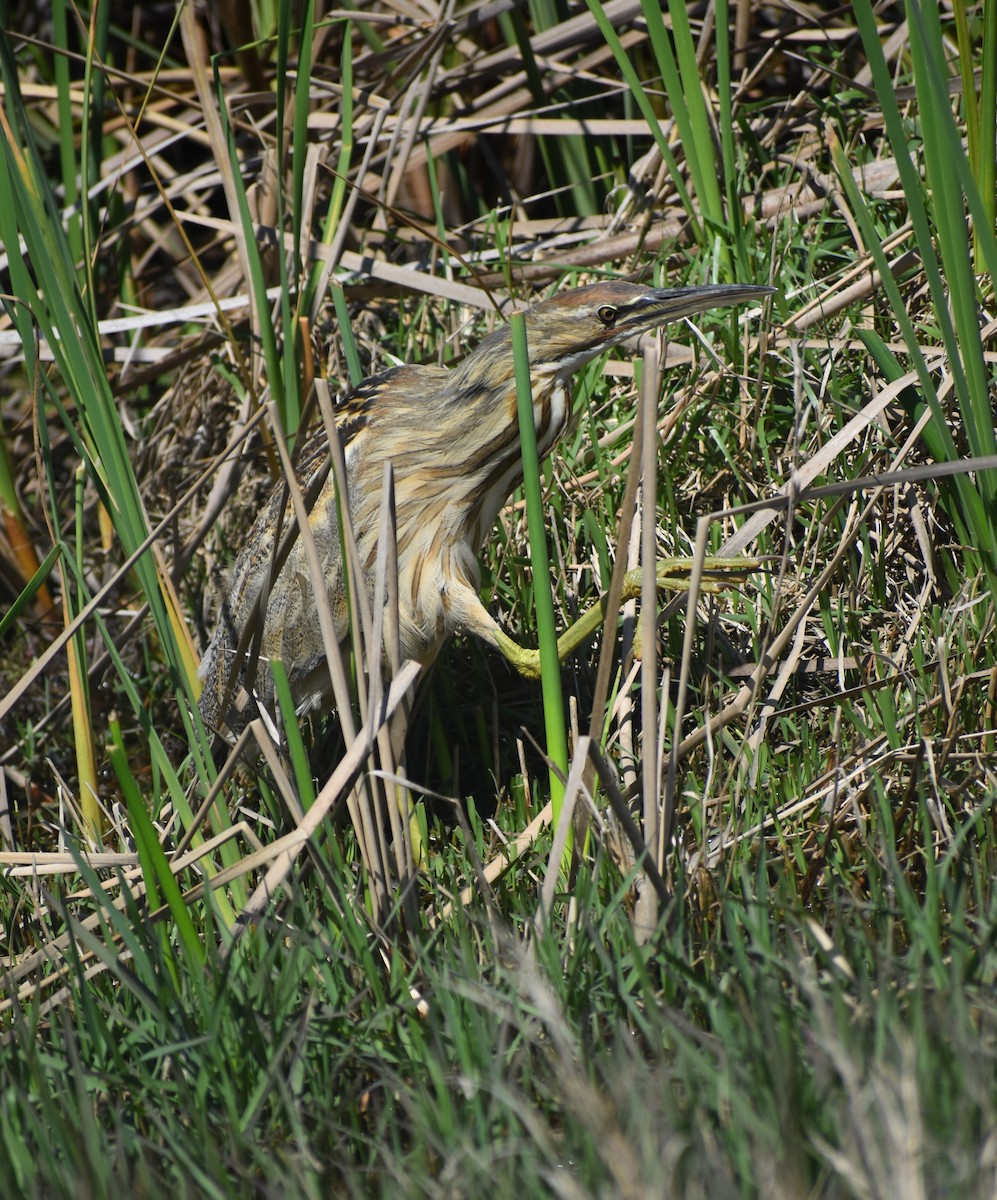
607	315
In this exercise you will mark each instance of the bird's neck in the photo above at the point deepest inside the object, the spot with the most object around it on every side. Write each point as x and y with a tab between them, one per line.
471	477
497	473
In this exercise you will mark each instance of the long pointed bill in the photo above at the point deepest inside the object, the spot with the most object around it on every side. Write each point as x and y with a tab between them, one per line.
658	306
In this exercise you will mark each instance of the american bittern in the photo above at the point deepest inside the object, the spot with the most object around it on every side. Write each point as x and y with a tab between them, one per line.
452	436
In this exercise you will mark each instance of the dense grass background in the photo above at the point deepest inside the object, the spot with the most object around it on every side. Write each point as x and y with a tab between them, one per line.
768	968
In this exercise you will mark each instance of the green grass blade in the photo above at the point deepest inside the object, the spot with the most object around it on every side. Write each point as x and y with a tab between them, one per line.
943	152
10	618
936	209
311	302
67	150
987	177
289	274
636	86
680	75
728	146
550	666
257	276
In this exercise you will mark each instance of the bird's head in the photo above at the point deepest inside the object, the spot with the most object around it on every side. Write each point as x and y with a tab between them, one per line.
575	326
570	329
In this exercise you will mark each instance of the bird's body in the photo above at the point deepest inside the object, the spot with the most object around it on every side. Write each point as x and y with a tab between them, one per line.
452	438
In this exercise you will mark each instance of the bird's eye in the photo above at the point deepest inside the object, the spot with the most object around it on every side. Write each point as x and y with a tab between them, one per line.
607	315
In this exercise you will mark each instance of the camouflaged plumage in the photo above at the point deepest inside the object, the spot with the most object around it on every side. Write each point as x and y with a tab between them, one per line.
452	437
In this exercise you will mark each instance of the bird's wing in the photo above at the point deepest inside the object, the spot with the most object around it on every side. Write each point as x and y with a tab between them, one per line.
379	400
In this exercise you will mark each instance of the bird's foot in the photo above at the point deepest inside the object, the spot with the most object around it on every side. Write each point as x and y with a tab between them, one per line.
675	574
671	574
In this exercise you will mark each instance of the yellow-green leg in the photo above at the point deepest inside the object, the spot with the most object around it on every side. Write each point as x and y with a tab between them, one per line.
672	574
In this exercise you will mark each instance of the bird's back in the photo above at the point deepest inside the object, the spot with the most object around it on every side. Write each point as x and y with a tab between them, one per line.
269	602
